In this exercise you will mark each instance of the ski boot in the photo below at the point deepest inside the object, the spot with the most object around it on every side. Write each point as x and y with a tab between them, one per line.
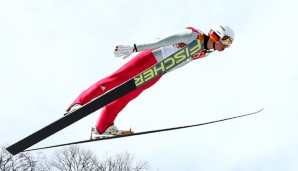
73	108
110	131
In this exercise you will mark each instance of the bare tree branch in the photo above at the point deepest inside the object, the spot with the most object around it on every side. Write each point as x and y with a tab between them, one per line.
72	158
123	162
20	162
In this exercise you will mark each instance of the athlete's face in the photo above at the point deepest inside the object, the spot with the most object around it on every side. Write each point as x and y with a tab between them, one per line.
220	47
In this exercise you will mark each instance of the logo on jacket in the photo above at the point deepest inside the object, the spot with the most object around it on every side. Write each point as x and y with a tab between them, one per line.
170	62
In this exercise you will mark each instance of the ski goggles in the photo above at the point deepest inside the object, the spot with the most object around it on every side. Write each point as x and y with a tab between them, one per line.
226	40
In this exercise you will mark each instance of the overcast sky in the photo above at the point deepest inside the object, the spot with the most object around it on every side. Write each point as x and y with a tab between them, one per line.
52	50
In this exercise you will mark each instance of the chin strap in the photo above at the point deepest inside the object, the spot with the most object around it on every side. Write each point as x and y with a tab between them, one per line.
206	39
214	45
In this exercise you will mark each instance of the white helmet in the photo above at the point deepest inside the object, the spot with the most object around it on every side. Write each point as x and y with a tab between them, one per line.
222	33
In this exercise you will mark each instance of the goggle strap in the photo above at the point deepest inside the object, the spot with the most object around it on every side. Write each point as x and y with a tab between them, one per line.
214	36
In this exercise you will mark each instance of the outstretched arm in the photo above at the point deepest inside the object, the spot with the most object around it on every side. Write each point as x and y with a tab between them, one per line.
185	36
182	37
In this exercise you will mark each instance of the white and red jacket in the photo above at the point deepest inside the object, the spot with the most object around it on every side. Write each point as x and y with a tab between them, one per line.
164	47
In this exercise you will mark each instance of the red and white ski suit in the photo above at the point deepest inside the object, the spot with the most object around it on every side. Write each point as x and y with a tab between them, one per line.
150	54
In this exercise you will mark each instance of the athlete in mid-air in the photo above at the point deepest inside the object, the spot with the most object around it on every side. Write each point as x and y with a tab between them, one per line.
218	39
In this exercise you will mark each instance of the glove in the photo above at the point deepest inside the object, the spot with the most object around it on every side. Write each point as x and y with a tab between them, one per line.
124	51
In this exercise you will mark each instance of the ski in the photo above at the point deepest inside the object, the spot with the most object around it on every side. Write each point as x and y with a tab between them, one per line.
156	70
145	132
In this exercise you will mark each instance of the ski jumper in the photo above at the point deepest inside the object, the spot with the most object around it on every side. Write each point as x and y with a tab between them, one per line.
150	54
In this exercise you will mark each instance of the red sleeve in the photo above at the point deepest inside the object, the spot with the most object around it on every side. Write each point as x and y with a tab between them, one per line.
193	29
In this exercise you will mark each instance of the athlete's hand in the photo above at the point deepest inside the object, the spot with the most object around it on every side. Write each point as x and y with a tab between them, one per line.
124	51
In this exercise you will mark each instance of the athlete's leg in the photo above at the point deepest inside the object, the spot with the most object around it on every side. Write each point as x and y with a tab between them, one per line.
110	111
136	65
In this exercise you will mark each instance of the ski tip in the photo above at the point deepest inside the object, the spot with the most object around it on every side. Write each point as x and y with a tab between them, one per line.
258	111
261	110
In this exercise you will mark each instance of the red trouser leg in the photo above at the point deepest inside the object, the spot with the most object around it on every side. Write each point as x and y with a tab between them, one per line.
139	63
110	111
